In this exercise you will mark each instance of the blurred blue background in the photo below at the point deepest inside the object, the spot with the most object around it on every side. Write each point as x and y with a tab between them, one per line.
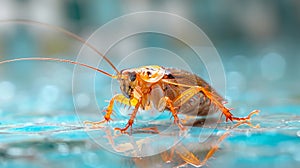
258	42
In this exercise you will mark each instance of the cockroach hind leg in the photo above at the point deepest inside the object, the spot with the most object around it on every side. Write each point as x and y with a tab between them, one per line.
221	106
232	118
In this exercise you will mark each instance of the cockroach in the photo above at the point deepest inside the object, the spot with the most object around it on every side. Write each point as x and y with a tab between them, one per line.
151	87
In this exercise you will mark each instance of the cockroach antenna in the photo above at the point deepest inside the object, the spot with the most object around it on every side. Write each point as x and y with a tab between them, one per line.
59	29
59	60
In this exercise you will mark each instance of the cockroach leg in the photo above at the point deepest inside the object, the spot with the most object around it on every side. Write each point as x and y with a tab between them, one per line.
224	110
246	118
131	120
174	113
109	110
185	96
107	118
193	90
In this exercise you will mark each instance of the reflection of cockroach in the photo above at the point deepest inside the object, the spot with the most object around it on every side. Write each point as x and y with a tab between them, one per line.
153	87
181	154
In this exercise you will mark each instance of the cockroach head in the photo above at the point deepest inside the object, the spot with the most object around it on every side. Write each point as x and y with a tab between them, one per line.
127	81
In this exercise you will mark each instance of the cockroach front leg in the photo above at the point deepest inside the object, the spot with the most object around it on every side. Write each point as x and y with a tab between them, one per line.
131	120
109	110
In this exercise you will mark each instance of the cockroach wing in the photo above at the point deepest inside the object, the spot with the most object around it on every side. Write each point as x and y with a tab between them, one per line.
202	104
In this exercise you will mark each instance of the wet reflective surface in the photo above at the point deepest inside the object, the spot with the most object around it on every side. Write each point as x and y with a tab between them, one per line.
62	141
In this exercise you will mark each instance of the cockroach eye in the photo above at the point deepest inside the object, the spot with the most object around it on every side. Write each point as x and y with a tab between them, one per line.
132	76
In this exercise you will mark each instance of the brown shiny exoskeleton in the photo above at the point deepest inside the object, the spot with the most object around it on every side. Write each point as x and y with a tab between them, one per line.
156	87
